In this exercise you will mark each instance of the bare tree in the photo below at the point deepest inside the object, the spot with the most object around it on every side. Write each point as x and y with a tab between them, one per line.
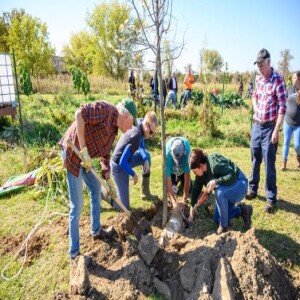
284	62
155	19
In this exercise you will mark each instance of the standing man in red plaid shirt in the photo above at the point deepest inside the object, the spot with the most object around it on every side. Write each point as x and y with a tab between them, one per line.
269	105
93	132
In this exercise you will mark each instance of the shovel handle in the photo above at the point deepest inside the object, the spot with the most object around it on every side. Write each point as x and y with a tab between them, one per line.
202	199
101	180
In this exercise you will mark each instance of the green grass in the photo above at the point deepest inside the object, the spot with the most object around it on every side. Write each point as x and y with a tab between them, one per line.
47	117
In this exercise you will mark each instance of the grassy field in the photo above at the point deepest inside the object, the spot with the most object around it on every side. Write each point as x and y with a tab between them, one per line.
46	117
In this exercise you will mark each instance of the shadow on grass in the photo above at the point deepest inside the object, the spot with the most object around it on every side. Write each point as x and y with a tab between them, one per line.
284	248
37	133
289	206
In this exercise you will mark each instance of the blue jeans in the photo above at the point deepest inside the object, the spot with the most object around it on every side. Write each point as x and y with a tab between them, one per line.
75	185
173	97
288	131
121	177
187	94
262	148
226	198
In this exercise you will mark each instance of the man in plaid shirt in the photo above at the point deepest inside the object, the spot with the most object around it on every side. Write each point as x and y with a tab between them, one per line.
93	132
269	105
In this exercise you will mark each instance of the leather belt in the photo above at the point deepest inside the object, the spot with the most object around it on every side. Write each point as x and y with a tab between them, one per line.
268	123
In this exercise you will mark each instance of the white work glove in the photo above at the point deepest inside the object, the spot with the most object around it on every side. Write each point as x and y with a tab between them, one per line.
112	188
86	160
146	167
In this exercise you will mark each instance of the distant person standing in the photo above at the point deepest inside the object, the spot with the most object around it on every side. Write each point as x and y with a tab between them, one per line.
154	87
292	120
269	105
249	90
132	86
165	82
188	83
241	88
291	89
173	85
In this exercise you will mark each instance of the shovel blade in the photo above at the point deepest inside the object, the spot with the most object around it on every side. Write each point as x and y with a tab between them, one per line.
142	229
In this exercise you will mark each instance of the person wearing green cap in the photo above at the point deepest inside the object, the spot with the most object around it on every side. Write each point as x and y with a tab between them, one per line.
93	132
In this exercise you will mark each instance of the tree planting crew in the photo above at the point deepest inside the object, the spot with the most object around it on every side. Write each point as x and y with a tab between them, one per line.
93	132
292	121
188	83
130	152
218	173
177	169
269	105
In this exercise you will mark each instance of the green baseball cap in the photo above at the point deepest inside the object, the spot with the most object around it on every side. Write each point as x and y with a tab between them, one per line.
131	107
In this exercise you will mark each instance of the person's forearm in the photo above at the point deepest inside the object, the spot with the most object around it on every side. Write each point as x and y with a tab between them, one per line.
186	187
171	192
254	104
80	126
279	121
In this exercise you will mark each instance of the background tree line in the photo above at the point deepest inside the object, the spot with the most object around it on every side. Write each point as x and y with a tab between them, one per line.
108	47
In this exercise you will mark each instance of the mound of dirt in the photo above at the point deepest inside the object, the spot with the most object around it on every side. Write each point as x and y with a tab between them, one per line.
233	264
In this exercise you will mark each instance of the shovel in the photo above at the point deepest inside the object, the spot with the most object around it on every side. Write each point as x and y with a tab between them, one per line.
202	199
142	227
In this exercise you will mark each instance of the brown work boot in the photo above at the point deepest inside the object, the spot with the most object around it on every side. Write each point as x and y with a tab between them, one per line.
298	159
105	234
283	168
251	195
246	213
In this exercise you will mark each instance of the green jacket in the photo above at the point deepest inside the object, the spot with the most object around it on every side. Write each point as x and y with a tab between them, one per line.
223	170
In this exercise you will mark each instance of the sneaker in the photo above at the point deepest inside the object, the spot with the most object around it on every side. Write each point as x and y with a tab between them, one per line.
104	234
246	213
251	195
269	207
222	229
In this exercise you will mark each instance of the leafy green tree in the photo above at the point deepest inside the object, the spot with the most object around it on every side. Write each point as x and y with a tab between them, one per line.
29	37
76	78
5	23
115	33
25	80
80	51
211	61
80	80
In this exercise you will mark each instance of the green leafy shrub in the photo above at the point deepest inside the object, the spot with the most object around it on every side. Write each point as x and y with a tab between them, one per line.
197	97
80	80
228	100
25	80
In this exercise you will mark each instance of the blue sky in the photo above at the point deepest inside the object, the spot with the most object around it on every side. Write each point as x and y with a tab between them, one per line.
237	29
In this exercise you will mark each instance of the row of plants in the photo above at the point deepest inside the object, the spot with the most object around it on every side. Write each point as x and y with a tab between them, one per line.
226	100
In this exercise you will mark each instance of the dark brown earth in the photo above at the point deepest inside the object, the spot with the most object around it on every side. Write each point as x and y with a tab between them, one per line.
188	268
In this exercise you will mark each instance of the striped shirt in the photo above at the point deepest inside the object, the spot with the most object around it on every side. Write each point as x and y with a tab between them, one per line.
101	129
270	95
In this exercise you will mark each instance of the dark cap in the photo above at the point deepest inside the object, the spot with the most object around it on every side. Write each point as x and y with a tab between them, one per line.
262	55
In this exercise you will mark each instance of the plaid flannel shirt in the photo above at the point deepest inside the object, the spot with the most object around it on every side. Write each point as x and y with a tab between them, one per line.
270	95
101	129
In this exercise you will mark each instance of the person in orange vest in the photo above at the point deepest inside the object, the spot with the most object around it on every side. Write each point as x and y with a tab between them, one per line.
188	83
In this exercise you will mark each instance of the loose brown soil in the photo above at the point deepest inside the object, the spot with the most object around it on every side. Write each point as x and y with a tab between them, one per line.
188	268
